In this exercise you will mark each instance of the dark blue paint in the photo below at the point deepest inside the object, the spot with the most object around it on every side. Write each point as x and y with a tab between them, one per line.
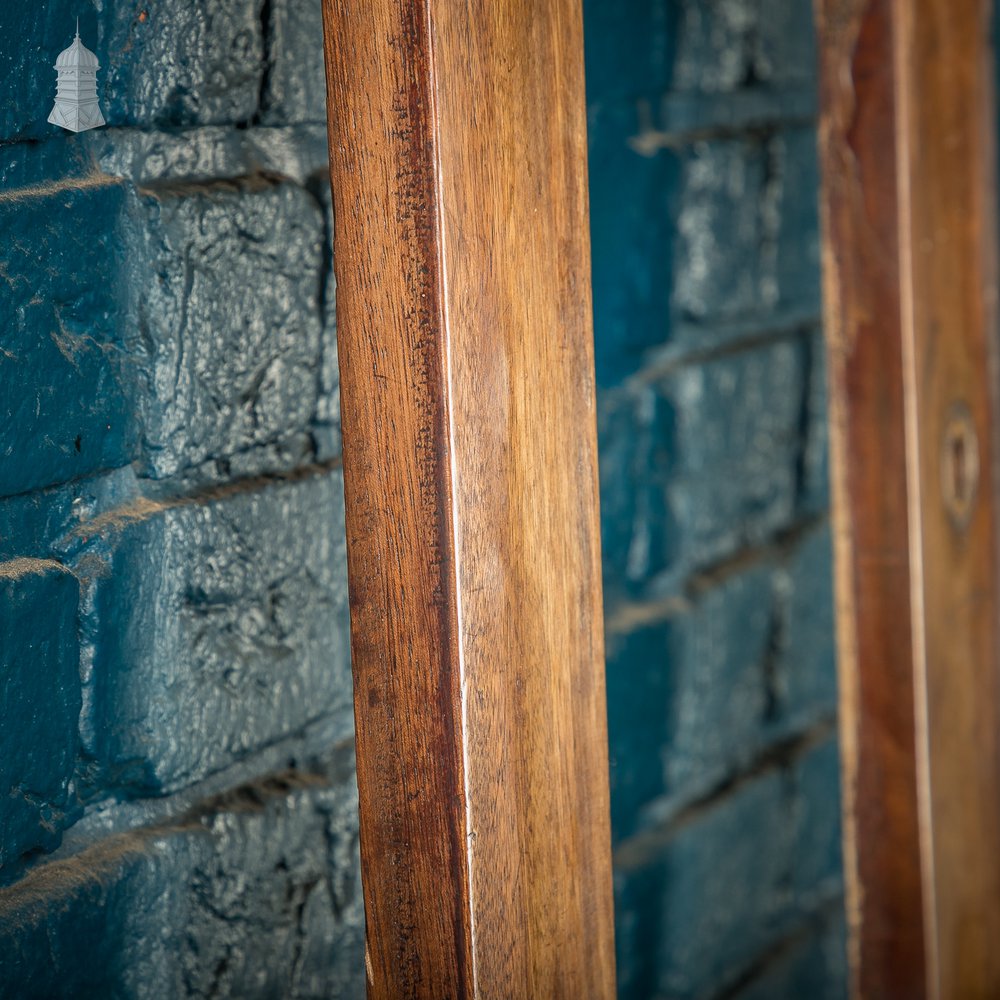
714	496
187	649
65	368
39	705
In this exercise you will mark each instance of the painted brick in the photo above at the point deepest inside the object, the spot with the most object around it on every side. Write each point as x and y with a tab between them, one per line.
182	64
715	898
632	240
640	688
326	422
813	966
639	59
214	628
807	666
791	214
678	119
184	327
705	234
715	44
717	241
785	44
815	486
30	522
231	316
721	230
196	155
712	454
254	894
817	855
732	668
731	883
738	437
39	704
148	157
295	79
690	700
723	702
165	64
66	379
55	161
637	447
747	246
690	45
735	44
167	323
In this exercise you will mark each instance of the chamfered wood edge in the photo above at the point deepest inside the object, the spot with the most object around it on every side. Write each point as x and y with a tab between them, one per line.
882	856
398	499
515	192
906	141
428	933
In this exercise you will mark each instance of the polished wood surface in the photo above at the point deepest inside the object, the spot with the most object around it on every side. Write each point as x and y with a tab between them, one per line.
458	159
906	145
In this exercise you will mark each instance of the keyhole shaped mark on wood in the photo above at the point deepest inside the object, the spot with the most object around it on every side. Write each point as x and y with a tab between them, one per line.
960	465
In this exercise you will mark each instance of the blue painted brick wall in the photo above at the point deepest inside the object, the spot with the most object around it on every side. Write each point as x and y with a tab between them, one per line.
176	764
175	759
706	898
253	893
721	675
40	695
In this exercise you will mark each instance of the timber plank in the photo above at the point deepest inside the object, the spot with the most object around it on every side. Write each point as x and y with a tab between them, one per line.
906	144
458	160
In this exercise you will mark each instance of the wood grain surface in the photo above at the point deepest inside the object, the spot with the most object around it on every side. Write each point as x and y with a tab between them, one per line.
458	159
906	145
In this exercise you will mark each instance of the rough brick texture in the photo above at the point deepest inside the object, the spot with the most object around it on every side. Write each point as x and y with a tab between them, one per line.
711	411
39	704
228	311
730	668
164	64
248	894
711	894
710	453
810	964
229	615
65	392
293	86
179	813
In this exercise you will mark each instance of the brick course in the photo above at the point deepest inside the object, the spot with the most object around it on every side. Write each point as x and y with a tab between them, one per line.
40	701
714	494
175	650
247	894
175	664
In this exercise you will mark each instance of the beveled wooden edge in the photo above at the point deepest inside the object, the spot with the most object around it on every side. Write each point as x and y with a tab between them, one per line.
907	130
458	161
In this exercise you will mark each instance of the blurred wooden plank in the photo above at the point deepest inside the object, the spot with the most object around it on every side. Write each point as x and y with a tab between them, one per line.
457	136
863	327
907	148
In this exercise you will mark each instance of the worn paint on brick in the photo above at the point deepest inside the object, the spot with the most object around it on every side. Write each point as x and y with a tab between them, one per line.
714	496
171	551
174	665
